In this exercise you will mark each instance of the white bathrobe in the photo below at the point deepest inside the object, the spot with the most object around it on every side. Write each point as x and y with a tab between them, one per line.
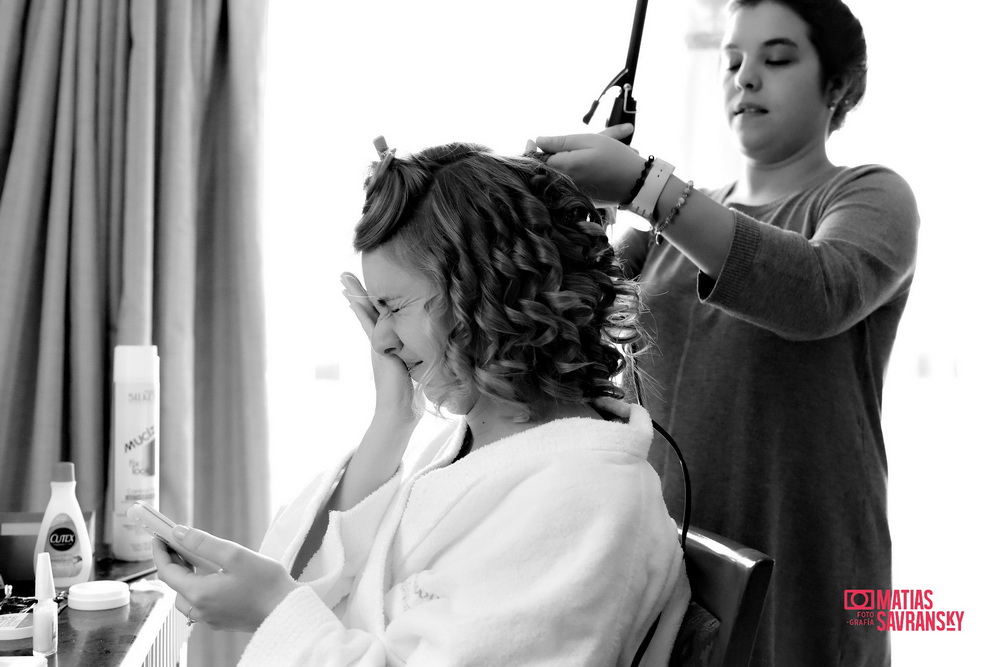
549	547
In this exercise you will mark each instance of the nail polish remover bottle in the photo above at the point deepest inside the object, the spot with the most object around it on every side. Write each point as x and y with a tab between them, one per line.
63	534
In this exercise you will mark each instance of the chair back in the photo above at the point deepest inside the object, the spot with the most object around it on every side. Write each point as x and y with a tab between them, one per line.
729	584
729	581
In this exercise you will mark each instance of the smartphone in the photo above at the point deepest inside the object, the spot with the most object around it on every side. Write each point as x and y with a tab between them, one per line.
158	525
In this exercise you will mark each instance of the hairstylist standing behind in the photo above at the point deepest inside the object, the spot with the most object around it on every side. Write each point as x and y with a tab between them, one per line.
775	302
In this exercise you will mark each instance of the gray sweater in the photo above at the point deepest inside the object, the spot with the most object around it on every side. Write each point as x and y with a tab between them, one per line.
770	379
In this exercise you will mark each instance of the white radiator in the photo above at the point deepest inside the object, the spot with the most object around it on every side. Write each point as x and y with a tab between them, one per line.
162	641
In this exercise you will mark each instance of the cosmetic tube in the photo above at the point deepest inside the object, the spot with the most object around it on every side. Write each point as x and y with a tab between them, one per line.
45	623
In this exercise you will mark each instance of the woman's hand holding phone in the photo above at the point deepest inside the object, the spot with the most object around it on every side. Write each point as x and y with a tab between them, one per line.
238	594
158	525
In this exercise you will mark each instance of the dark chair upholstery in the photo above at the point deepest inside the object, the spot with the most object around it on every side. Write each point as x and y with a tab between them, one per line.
728	586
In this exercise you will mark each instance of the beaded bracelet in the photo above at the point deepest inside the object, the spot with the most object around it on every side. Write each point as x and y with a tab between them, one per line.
639	181
658	229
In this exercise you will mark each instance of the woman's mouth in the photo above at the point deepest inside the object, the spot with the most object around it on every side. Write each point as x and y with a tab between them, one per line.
749	110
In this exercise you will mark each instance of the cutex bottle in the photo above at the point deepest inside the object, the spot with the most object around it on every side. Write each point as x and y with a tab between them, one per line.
135	446
63	533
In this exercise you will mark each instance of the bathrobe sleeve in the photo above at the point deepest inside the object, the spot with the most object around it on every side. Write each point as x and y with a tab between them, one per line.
347	544
303	623
545	560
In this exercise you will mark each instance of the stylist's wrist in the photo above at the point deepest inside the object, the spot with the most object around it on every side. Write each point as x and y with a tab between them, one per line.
622	167
632	170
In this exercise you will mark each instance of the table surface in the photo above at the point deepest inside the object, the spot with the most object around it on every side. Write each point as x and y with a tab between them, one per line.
92	638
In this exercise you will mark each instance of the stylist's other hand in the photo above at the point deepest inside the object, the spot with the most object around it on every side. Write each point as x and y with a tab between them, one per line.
600	164
393	386
237	597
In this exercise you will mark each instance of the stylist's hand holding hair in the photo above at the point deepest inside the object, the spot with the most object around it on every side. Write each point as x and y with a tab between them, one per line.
607	169
600	164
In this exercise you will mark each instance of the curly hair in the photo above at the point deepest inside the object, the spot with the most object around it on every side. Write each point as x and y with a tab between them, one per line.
533	296
839	40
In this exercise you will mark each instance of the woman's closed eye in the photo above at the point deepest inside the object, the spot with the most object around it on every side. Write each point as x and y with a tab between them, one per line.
779	55
384	309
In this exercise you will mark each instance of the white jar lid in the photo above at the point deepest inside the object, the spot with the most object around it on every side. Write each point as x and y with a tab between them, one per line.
98	595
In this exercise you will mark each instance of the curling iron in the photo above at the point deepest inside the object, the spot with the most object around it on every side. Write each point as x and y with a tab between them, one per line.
624	107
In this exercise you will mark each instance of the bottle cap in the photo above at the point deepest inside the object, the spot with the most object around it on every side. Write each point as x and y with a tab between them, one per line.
136	363
65	472
45	587
98	595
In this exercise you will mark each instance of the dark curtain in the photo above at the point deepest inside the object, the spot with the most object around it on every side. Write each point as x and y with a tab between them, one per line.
129	215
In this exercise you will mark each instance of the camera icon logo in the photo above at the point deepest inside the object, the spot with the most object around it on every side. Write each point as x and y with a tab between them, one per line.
859	599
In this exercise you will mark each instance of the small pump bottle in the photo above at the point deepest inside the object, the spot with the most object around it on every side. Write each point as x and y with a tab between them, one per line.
135	446
63	534
45	614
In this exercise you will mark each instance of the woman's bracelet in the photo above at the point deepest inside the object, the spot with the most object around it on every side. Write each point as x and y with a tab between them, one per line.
657	229
638	182
645	201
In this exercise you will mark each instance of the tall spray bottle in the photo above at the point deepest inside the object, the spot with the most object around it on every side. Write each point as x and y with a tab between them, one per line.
135	443
63	534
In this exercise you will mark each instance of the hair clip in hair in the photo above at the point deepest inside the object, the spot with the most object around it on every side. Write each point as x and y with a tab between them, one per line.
384	152
385	155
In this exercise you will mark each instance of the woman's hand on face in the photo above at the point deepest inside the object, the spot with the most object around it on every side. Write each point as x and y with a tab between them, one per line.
393	386
600	164
238	596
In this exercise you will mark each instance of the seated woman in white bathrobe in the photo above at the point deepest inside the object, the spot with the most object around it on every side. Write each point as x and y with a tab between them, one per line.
533	531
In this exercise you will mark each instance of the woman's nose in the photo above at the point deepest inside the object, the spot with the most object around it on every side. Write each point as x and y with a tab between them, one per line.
747	77
384	338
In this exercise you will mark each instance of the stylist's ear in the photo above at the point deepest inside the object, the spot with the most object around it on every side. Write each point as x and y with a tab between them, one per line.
836	88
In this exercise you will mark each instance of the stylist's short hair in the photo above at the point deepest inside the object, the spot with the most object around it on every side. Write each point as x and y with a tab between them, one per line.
839	40
533	296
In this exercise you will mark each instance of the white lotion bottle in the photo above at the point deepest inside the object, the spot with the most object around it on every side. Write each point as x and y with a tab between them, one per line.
45	613
135	446
63	534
